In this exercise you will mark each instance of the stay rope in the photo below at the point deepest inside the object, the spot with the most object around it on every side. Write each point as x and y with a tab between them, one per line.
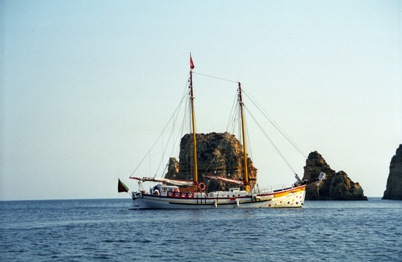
272	142
215	77
277	127
160	137
233	116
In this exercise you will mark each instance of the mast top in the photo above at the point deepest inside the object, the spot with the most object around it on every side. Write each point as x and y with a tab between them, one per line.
191	62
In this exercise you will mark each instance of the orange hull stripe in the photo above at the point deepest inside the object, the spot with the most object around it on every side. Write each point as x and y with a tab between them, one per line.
300	189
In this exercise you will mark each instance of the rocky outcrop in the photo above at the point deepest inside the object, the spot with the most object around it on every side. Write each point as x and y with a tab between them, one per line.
218	154
336	185
394	182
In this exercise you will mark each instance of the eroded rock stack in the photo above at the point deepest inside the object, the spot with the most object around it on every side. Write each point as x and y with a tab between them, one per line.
336	186
219	154
394	182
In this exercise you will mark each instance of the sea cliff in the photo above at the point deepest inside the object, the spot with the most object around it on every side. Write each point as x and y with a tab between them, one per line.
394	181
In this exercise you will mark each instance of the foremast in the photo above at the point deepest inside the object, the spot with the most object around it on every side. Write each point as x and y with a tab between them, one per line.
243	132
195	172
193	127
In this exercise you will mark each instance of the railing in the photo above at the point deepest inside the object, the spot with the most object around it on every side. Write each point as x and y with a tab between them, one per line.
271	189
186	195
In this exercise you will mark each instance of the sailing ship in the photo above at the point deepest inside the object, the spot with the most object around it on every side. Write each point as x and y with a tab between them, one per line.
193	194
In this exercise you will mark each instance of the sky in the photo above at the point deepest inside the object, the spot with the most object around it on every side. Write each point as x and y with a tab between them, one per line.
87	86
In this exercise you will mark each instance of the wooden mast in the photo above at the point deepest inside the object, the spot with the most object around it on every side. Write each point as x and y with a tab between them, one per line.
195	174
243	132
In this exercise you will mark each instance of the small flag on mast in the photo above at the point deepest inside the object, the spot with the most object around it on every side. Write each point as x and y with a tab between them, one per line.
121	187
191	62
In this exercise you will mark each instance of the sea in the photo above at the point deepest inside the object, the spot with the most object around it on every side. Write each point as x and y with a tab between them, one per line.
106	230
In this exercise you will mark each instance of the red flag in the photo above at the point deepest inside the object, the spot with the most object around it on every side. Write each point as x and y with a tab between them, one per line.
191	62
121	187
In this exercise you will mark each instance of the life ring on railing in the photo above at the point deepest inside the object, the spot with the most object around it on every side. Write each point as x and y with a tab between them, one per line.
202	186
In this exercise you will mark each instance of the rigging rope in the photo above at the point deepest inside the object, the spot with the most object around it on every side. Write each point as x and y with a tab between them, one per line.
176	144
280	130
272	143
159	137
233	116
215	77
174	119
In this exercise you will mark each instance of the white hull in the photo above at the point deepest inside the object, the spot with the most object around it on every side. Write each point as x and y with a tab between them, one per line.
291	197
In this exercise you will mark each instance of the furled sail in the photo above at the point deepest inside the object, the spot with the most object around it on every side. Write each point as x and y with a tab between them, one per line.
224	179
165	181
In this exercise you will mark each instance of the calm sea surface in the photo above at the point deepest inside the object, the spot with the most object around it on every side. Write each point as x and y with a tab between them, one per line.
90	230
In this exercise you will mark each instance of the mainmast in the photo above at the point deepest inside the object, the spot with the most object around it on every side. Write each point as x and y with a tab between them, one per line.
243	132
195	175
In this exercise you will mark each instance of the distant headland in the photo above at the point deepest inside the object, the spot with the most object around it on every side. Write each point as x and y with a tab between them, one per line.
394	182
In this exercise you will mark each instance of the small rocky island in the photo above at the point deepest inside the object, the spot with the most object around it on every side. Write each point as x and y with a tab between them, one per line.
394	182
219	154
336	185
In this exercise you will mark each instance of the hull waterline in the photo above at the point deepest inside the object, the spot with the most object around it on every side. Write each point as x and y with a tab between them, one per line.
286	198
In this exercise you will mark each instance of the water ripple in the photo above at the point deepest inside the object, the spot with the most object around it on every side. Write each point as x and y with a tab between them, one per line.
87	230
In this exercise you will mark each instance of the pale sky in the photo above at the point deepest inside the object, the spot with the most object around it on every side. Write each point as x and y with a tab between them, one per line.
87	86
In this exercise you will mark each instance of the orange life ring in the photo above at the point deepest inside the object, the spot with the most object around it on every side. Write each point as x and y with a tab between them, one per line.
202	186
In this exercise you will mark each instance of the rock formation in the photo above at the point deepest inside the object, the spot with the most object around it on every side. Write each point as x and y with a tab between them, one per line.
336	186
218	154
394	182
